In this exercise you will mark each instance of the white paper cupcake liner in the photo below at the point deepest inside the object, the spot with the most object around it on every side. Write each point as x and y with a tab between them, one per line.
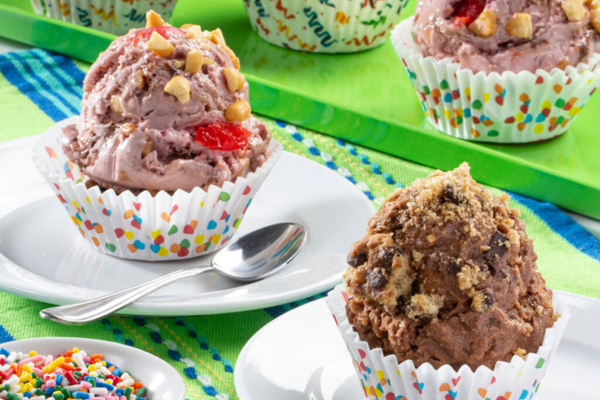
383	378
324	26
501	108
163	227
112	16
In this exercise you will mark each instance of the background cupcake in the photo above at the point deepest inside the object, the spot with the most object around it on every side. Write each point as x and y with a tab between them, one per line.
165	119
112	16
445	284
502	71
342	26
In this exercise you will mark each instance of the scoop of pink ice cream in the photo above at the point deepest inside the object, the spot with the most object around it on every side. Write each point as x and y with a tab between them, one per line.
508	35
137	129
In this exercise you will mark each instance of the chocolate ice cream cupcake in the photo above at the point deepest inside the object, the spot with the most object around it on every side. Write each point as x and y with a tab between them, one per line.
502	71
165	157
443	284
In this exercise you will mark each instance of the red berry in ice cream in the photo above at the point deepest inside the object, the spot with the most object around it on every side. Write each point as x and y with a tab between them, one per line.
467	11
224	136
161	30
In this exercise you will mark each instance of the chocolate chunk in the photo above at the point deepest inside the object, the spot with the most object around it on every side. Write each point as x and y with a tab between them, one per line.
497	246
488	299
451	195
357	260
385	257
454	267
377	278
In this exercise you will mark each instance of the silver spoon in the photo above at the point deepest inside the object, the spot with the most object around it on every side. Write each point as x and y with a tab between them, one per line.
252	257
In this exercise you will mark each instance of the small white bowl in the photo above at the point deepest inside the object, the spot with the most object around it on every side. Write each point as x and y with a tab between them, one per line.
162	381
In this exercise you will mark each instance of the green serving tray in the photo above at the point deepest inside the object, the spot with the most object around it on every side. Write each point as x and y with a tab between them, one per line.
365	98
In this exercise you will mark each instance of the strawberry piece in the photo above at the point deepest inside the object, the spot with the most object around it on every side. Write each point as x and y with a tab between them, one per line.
224	136
467	11
161	30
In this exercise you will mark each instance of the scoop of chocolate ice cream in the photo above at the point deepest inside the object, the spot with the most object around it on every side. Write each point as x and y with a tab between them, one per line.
446	274
508	35
145	100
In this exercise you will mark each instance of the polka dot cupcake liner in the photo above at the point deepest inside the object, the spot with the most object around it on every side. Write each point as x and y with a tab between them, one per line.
383	378
112	16
501	108
324	26
163	227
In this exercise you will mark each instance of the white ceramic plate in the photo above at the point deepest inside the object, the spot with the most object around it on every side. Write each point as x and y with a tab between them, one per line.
42	257
301	355
161	380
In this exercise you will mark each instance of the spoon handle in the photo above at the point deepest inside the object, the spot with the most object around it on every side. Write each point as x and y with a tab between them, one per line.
92	310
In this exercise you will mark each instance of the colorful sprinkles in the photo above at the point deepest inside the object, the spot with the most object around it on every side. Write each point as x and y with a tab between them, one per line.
68	376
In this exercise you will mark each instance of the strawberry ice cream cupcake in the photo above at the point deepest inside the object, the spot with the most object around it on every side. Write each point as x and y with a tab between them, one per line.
165	156
502	71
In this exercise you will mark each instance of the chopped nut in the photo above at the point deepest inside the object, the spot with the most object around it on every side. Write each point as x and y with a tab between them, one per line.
205	46
128	128
424	305
153	19
245	164
194	32
159	45
115	103
521	353
594	6
486	24
563	64
193	61
179	87
234	59
147	148
519	25
573	9
238	111
138	78
217	37
178	64
123	176
235	80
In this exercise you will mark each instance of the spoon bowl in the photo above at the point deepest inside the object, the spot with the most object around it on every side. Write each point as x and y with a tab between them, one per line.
250	258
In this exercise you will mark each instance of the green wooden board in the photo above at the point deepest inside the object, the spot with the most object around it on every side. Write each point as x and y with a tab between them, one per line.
365	98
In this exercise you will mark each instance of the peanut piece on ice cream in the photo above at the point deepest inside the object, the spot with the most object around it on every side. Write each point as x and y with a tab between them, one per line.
153	19
147	148
159	45
217	36
594	6
194	32
573	9
128	128
235	80
486	24
179	87
115	104
138	78
519	25
238	111
193	61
